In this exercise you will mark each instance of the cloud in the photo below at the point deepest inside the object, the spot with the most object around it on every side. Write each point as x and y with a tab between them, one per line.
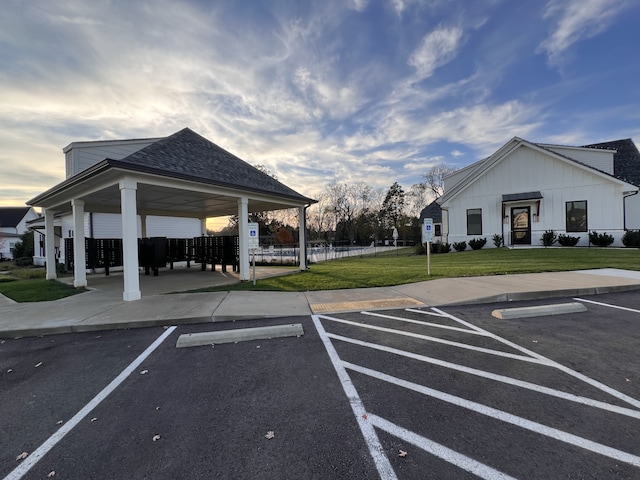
576	20
436	49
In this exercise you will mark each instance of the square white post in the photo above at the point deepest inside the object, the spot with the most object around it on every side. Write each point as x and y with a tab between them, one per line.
79	250
50	244
128	207
302	235
203	226
243	233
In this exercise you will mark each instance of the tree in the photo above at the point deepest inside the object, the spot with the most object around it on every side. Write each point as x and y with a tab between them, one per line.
24	247
434	179
393	206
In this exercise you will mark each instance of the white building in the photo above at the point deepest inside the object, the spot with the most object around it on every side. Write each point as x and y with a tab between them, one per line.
13	223
525	188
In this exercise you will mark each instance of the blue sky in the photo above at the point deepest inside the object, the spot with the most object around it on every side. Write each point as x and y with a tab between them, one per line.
376	91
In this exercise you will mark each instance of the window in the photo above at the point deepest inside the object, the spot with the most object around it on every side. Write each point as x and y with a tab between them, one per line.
438	230
474	221
577	216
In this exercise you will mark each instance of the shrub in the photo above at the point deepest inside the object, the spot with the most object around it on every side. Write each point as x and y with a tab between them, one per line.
477	243
549	237
498	241
24	261
600	239
444	248
419	249
459	246
568	240
631	238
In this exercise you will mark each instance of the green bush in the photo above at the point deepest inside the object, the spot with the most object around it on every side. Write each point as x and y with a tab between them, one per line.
24	261
549	237
477	243
631	238
498	240
459	246
444	248
568	240
419	249
600	239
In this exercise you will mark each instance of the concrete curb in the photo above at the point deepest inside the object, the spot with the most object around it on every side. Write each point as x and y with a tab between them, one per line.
538	311
239	335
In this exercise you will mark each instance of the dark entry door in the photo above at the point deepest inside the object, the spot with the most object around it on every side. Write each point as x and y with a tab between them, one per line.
520	226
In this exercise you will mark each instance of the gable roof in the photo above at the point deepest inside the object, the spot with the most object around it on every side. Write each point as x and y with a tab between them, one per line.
485	165
10	217
189	156
626	159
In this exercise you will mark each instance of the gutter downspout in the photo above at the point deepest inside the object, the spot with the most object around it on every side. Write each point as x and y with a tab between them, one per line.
624	209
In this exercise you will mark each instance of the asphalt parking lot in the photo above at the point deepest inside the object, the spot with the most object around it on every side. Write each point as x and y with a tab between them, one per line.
410	394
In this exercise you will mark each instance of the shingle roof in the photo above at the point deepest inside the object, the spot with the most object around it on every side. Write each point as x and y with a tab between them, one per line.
433	210
187	155
10	216
626	161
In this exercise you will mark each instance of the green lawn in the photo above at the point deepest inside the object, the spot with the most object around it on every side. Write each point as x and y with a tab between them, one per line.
36	290
392	269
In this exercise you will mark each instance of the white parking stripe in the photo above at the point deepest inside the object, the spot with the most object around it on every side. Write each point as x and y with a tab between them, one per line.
43	449
439	340
440	451
426	324
535	427
385	470
608	305
492	376
546	361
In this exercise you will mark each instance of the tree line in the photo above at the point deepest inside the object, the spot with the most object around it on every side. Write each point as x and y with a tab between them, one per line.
354	213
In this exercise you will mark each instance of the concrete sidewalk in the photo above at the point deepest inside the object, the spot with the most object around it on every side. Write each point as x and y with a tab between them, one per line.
102	307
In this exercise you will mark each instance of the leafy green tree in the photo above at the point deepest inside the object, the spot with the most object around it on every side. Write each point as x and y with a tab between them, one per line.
393	206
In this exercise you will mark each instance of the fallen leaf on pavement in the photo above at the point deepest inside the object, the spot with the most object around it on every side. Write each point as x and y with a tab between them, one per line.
94	419
10	370
270	434
38	364
143	372
22	456
364	415
402	453
59	422
156	438
52	474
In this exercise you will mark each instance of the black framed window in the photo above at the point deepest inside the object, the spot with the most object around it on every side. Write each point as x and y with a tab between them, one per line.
438	230
577	216
474	221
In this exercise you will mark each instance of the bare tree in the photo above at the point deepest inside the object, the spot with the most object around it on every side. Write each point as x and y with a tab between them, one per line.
434	179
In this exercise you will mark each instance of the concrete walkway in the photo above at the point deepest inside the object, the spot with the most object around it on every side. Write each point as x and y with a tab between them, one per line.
102	307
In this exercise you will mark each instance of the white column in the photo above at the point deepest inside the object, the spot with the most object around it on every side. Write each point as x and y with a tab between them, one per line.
128	207
50	244
243	232
203	226
302	234
79	250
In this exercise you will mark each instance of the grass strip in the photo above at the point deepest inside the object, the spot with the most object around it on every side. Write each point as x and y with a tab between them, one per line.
37	290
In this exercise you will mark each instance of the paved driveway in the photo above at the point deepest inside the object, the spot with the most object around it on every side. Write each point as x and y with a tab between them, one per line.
421	393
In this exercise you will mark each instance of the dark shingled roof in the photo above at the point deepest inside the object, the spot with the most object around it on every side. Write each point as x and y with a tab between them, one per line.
189	156
432	210
10	216
626	161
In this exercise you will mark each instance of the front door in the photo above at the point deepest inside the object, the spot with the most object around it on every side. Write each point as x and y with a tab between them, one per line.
520	226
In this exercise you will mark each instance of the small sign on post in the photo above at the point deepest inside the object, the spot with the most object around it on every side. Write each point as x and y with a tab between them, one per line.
427	237
254	244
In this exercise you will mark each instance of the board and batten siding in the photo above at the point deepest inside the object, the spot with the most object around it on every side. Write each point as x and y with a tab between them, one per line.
528	170
600	159
109	225
81	155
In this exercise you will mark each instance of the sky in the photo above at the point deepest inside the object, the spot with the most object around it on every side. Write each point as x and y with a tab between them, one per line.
317	91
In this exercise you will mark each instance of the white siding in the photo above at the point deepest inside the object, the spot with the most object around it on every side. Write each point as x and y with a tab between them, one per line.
173	227
595	157
85	155
526	170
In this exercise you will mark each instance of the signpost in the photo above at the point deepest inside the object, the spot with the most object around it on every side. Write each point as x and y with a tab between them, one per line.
254	244
427	237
